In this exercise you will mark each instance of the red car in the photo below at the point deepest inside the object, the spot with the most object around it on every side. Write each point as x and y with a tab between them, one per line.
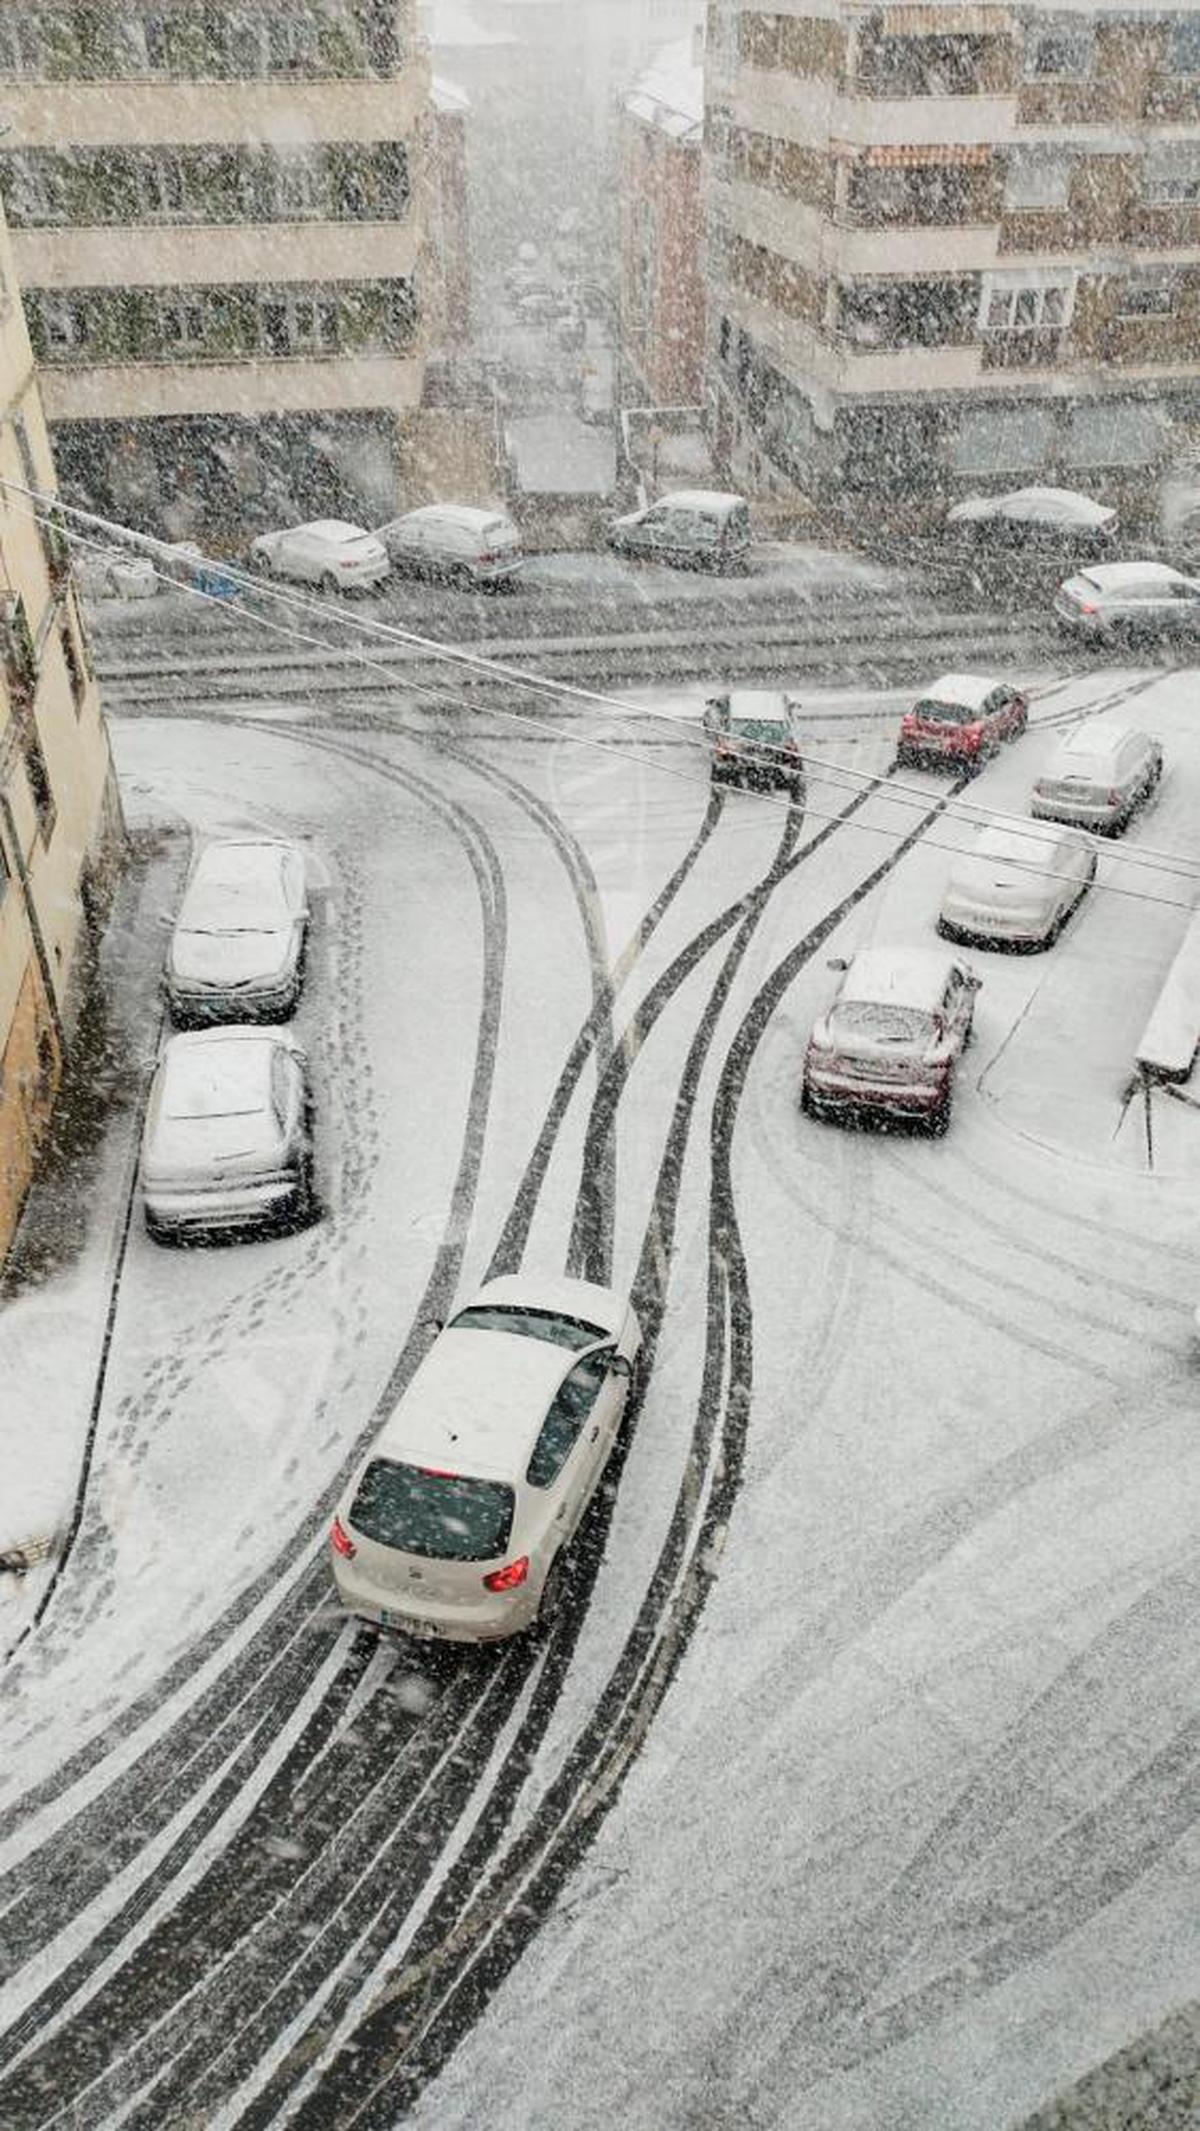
961	720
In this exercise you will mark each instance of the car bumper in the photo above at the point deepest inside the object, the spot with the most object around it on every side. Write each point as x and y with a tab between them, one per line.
829	1091
979	928
491	1618
191	1210
1077	813
928	755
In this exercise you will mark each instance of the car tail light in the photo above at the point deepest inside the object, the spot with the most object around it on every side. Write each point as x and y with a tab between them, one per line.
1088	606
343	1544
487	556
507	1578
351	562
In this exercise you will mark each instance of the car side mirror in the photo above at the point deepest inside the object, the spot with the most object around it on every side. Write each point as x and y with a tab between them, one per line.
838	962
620	1365
435	1324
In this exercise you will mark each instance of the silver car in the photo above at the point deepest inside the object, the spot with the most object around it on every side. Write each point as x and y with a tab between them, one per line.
698	528
1017	885
455	1524
1129	600
888	1044
227	1144
237	950
1036	520
1098	776
454	542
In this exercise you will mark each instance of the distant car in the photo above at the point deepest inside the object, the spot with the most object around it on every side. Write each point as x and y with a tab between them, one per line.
889	1043
571	330
237	949
114	573
1134	601
701	528
961	719
454	1525
755	741
538	306
329	553
227	1144
1047	520
454	542
1099	775
1017	885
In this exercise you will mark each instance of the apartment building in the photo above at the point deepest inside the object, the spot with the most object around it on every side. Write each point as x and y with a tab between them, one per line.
217	220
952	245
60	829
661	280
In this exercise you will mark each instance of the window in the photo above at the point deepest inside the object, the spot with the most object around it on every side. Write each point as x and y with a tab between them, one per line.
20	49
1060	50
1147	294
1103	433
35	771
527	1323
1037	178
63	321
562	1425
1026	305
1185	44
1172	173
292	41
440	1516
182	323
1003	440
160	185
74	665
154	38
299	185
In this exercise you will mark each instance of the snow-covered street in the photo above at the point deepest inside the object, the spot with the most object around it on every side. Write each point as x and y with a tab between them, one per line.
853	1791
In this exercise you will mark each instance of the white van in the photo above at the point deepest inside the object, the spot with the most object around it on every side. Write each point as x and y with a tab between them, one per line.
455	543
1099	776
700	528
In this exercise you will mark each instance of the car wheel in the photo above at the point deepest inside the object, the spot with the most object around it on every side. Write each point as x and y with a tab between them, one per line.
261	562
553	1598
328	582
807	1106
938	1122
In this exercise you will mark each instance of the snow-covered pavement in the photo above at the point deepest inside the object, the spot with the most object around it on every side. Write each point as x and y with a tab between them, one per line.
856	1793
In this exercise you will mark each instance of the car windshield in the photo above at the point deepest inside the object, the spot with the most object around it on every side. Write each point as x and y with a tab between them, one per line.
771	731
442	1516
195	1087
878	1021
552	1325
945	713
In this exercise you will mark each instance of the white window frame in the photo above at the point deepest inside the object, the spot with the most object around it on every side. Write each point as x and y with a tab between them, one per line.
21	47
1025	165
304	170
193	333
1027	297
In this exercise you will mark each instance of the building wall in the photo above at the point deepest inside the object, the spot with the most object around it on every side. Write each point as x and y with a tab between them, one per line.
60	835
219	212
929	228
661	273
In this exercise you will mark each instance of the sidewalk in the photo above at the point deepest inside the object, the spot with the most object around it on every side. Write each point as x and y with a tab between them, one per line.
57	1284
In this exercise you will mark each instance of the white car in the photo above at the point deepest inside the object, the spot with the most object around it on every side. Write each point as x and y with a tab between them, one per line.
237	948
454	542
329	553
227	1144
888	1044
1136	601
1037	520
114	573
455	1524
1018	884
1098	776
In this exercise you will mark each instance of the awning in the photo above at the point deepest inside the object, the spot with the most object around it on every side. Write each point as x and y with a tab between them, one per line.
915	156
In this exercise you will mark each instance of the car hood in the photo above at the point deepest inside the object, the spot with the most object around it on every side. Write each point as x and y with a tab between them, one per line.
220	958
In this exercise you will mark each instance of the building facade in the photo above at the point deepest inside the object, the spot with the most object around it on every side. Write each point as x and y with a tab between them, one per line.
217	221
661	285
952	245
60	832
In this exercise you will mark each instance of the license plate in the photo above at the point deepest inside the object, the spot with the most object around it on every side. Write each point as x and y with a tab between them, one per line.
406	1625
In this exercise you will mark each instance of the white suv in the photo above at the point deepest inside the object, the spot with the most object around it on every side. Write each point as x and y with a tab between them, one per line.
453	1526
888	1044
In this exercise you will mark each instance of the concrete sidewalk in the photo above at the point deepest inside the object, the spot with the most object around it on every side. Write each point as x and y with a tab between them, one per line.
58	1282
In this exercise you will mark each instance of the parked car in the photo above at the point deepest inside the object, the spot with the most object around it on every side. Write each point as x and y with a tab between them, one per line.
539	306
455	1524
1135	601
706	529
961	719
888	1044
329	553
237	949
455	543
1099	775
1017	885
755	738
114	573
1038	520
227	1144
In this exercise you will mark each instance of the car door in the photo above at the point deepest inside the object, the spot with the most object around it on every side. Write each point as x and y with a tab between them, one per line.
1183	612
660	530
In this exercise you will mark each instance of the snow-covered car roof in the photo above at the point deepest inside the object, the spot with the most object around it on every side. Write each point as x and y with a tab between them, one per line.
1011	843
335	529
468	515
898	976
1119	576
701	499
221	1072
1091	745
967	691
1064	504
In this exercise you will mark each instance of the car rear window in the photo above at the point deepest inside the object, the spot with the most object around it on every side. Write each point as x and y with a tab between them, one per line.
552	1325
946	713
880	1022
442	1516
769	730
